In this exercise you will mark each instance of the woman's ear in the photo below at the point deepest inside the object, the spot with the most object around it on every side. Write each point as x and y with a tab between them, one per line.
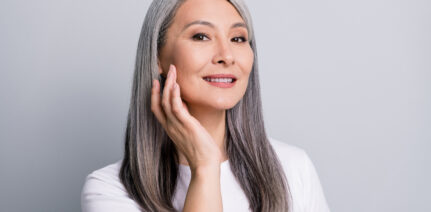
160	66
162	78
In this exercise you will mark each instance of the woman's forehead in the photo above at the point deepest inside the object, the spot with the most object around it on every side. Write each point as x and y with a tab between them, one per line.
217	12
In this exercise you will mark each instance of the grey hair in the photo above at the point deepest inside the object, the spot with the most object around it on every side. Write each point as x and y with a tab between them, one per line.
150	165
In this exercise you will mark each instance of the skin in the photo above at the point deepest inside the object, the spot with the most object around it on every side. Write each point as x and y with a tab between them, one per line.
192	111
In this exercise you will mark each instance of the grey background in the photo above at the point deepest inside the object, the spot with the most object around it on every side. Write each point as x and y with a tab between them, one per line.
348	81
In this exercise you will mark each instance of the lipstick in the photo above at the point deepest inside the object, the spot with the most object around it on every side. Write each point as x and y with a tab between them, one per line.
221	80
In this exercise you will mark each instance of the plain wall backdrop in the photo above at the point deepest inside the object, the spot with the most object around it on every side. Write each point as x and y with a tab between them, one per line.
348	81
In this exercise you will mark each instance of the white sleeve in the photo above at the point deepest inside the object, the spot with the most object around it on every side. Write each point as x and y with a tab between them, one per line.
100	193
314	197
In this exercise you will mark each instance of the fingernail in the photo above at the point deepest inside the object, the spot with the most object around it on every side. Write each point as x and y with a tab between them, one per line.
169	73
172	68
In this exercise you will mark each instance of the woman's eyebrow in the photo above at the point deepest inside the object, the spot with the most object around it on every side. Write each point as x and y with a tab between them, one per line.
206	23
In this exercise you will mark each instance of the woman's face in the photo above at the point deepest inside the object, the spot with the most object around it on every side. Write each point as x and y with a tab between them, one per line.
208	37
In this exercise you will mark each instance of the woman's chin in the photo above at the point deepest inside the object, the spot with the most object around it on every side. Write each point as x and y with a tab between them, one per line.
219	104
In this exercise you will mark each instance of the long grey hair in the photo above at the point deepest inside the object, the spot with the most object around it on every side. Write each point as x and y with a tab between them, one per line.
150	165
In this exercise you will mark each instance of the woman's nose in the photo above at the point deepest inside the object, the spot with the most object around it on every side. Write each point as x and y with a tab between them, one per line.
224	54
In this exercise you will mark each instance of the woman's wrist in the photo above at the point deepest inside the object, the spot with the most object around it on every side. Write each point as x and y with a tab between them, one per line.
204	193
206	171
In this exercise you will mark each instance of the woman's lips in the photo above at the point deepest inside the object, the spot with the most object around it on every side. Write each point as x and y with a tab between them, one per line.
221	80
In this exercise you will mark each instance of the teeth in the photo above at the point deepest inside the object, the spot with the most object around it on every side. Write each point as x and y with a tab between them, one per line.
225	80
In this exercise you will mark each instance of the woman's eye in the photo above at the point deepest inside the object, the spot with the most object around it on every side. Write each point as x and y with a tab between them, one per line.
202	36
241	38
199	36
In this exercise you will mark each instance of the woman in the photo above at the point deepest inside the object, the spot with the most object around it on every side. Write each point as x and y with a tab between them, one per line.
196	140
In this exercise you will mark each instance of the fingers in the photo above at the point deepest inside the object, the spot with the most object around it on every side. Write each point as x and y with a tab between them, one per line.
179	109
167	95
155	103
169	108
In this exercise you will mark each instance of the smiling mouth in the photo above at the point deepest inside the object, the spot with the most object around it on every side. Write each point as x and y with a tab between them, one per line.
220	79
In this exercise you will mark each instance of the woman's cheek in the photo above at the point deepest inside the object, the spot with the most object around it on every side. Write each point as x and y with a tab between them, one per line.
250	59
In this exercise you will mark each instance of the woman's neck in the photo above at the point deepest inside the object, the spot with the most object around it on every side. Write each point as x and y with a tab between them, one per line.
214	121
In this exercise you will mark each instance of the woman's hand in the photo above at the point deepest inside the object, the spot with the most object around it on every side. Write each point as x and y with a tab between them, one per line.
193	140
189	136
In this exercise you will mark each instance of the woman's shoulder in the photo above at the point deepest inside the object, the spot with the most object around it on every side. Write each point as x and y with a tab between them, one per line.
288	152
103	191
302	177
104	178
295	160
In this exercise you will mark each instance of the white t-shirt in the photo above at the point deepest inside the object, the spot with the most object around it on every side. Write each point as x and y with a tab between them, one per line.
104	192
